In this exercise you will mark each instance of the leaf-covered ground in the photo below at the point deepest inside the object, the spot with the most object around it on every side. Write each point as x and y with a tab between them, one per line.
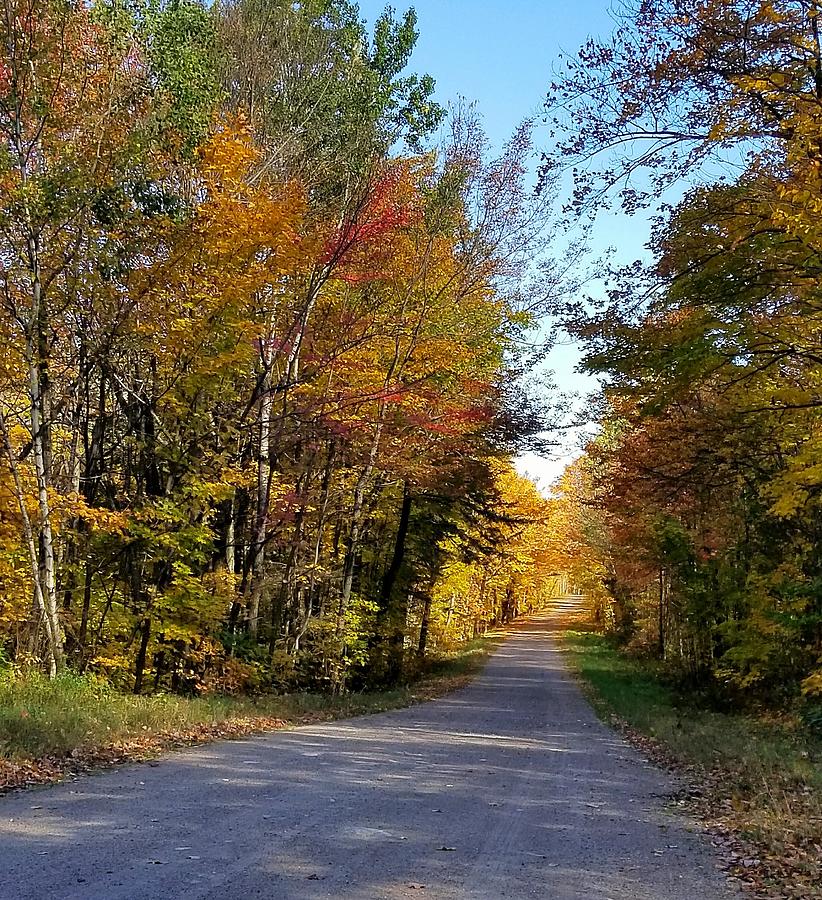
68	738
757	783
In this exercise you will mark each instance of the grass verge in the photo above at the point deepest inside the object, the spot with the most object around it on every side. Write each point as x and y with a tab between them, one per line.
757	780
50	729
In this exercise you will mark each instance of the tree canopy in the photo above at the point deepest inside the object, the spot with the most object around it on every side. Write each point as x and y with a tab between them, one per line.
698	501
260	316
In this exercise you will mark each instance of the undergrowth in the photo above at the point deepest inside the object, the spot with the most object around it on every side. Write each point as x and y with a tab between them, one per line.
41	717
764	772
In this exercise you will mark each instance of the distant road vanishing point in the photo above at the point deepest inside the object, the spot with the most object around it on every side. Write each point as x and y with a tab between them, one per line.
508	788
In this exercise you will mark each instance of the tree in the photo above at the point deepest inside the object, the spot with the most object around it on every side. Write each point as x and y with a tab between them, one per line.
260	343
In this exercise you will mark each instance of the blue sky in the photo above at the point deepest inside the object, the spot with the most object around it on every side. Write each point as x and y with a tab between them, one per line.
503	55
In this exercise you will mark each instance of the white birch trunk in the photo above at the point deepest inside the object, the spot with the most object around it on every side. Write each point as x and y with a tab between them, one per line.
263	500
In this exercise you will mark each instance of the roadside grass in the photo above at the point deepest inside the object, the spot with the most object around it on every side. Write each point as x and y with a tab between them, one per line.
42	718
762	775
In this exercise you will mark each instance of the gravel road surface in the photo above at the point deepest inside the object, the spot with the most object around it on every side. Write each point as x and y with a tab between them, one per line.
508	788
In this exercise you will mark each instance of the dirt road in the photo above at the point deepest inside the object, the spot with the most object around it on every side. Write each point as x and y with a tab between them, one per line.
509	788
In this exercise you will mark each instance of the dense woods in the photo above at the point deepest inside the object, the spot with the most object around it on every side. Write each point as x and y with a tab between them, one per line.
267	315
262	317
276	330
695	517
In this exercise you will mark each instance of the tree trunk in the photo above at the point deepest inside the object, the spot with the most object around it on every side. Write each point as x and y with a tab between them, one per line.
31	546
318	543
399	551
38	385
354	534
82	637
661	635
140	663
426	618
230	536
255	586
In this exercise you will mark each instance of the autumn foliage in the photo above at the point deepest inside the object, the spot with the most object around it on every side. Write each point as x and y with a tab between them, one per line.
698	503
253	339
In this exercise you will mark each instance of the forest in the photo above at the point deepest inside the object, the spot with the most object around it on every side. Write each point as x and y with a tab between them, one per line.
694	518
277	329
273	323
266	310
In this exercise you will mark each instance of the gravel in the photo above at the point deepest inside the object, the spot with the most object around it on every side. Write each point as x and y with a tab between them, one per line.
508	788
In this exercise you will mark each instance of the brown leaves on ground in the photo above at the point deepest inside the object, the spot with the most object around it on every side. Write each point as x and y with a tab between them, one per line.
22	773
775	856
15	774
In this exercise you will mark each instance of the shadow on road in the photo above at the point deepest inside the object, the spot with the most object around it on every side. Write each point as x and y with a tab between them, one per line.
508	788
